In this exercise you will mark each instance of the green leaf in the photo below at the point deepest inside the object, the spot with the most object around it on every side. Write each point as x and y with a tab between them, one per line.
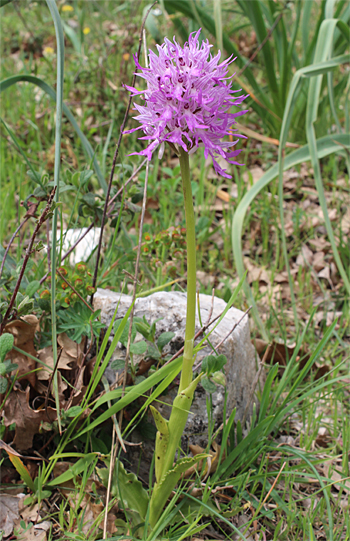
39	191
153	352
166	373
325	146
164	339
133	208
81	465
208	385
89	199
124	336
32	288
3	385
162	491
139	348
7	367
74	411
6	344
118	364
126	487
213	363
23	471
50	91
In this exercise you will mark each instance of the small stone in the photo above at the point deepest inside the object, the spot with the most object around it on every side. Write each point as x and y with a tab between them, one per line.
242	359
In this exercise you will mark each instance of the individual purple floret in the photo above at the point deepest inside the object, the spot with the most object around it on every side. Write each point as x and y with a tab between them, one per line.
188	98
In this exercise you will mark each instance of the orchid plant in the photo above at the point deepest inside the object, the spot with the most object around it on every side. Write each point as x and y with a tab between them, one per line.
188	99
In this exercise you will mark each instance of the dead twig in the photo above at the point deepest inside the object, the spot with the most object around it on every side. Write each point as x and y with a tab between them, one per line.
254	384
197	335
80	368
233	328
267	37
115	444
10	243
73	289
28	253
103	219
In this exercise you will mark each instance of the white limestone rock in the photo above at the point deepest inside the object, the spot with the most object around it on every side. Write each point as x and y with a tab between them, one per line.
242	359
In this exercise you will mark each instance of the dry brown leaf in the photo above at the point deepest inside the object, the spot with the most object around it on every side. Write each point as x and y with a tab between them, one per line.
23	331
330	473
323	439
320	244
256	274
46	356
80	388
30	513
256	173
27	420
326	274
281	277
72	349
278	352
33	534
305	258
9	512
212	461
345	222
318	261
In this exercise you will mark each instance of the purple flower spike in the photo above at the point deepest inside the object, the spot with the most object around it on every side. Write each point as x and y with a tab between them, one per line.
187	101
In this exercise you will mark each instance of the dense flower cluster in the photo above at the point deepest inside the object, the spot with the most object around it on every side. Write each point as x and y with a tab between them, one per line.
188	98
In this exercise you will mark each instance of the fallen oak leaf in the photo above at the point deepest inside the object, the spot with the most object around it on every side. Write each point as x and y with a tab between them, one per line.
9	512
46	356
279	352
23	331
71	348
27	421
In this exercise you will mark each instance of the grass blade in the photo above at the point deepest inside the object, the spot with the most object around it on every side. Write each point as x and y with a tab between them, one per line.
325	146
6	83
323	49
59	101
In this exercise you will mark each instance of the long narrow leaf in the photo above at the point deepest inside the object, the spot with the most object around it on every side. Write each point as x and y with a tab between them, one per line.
323	49
135	392
7	83
59	101
325	146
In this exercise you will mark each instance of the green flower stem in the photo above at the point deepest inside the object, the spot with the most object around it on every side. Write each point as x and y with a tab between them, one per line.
186	374
170	432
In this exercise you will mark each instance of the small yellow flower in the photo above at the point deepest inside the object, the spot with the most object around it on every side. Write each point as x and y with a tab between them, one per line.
67	7
86	30
48	50
126	56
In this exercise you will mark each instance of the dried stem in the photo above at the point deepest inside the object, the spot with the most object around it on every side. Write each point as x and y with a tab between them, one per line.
254	384
258	49
74	290
115	447
39	223
103	219
10	242
233	328
48	245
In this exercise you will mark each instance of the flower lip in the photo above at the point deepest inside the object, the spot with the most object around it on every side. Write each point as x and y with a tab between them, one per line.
188	100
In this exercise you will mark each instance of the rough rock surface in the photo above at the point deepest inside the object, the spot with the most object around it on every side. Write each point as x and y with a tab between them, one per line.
241	364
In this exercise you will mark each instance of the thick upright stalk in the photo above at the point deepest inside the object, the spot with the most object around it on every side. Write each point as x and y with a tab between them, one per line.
170	432
186	374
